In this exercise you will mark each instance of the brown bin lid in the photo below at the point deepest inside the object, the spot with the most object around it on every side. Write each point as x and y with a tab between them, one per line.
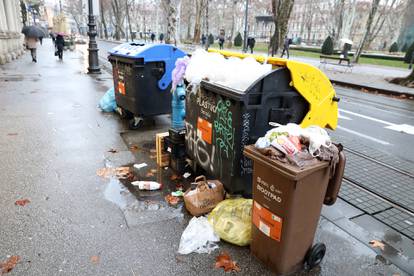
289	171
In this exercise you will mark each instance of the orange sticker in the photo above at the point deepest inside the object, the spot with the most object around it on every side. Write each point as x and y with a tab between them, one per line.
121	88
204	129
267	222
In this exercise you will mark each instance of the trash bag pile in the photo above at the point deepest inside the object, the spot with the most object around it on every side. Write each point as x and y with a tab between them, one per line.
107	102
299	146
229	219
231	72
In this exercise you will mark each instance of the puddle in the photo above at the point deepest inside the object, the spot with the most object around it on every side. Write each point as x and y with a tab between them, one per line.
141	207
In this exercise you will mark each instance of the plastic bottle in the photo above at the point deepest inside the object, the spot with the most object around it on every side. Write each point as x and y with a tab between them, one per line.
147	185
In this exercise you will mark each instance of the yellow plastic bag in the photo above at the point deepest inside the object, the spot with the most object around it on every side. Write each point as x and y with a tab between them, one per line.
232	220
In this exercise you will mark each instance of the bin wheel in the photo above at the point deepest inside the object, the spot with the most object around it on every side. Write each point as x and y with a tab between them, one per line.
136	123
124	114
315	255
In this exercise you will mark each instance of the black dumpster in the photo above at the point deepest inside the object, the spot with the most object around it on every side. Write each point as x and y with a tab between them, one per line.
142	79
220	121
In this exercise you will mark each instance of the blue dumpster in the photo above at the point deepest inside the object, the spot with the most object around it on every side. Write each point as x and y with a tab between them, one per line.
142	79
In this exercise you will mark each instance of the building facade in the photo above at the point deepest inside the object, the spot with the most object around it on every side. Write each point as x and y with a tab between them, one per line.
11	39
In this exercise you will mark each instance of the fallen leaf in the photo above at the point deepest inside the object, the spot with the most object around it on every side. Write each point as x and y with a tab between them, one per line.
153	170
9	264
134	148
377	244
153	150
120	172
172	200
396	274
95	259
22	202
149	174
113	151
12	134
224	260
175	177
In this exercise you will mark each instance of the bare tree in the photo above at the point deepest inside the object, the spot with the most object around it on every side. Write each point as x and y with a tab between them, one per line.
200	6
233	15
170	12
103	5
281	10
372	13
75	9
118	8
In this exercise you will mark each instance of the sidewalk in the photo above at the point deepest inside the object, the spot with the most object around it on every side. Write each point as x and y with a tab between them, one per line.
53	139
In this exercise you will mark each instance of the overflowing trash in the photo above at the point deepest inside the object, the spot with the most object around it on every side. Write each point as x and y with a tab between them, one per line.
204	197
231	72
198	237
299	146
232	220
107	102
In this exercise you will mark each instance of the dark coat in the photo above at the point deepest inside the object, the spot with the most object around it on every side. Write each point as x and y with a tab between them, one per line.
60	42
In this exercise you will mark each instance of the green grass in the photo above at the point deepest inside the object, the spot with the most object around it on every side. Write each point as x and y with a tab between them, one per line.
262	47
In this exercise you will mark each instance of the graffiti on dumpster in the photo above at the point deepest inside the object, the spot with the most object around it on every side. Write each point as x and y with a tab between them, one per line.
223	128
200	148
246	164
207	105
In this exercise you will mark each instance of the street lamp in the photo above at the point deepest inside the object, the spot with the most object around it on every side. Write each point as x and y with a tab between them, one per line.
93	67
245	26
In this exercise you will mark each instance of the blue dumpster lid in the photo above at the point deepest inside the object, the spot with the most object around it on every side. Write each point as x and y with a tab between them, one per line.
151	53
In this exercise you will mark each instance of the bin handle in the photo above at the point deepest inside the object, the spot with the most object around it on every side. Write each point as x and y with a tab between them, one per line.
201	182
335	182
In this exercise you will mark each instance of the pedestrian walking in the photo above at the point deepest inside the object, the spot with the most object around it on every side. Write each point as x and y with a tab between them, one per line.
31	43
152	37
161	37
221	41
203	40
53	38
286	44
59	45
250	43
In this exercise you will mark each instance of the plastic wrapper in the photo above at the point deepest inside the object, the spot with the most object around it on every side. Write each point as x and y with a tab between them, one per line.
107	102
232	220
198	237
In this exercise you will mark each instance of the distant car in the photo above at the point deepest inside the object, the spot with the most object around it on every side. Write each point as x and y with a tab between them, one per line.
80	40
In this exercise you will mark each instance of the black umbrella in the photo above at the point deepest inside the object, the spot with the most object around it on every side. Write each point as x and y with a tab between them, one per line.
33	31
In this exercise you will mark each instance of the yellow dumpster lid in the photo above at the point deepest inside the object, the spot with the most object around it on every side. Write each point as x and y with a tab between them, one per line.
287	170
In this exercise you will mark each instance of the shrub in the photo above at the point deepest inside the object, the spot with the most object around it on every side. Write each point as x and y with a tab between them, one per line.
210	39
404	48
394	48
327	47
409	53
238	40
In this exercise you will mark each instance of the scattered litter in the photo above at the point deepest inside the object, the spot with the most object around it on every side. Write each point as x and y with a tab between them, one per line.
172	200
224	260
147	185
113	151
95	259
9	264
186	175
153	156
153	170
22	202
153	150
198	237
377	244
177	193
107	102
120	172
140	166
232	220
149	174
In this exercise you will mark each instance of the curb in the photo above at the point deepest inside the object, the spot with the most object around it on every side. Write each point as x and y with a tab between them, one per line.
371	89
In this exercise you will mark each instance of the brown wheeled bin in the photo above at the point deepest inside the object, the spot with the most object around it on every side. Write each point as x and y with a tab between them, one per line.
287	202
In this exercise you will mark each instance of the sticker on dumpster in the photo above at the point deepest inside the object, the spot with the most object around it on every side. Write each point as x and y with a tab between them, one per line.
204	130
121	88
267	222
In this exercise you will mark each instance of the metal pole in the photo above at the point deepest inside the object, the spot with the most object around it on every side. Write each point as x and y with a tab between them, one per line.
245	26
93	67
60	6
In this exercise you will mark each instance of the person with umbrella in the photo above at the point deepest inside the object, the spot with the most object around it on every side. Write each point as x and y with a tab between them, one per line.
32	34
60	44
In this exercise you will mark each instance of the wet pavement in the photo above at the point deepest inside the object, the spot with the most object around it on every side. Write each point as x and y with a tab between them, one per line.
53	139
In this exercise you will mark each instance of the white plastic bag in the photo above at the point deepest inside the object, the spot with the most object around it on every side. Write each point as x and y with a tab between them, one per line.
198	237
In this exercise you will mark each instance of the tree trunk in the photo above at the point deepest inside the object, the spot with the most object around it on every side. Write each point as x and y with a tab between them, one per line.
171	20
281	10
374	8
233	11
197	25
128	19
340	22
407	81
105	29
